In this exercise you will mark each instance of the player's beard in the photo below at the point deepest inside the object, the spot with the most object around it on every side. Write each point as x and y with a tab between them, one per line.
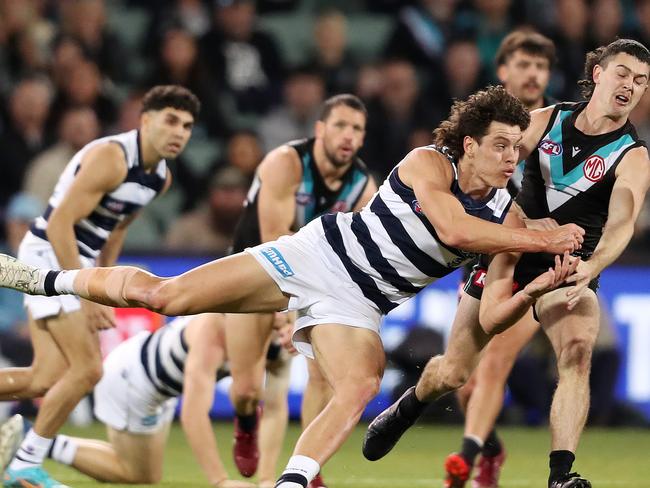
336	161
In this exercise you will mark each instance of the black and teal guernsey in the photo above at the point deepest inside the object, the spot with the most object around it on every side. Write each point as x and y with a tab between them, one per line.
313	197
570	175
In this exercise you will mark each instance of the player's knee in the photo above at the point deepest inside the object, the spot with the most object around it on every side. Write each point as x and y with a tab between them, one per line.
576	354
89	376
357	392
245	393
165	297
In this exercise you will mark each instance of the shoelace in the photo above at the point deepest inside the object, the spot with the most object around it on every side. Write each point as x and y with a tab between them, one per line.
17	277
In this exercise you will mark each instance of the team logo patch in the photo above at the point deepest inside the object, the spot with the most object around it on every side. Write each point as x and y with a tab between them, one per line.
149	420
478	279
416	207
594	168
304	198
550	147
277	260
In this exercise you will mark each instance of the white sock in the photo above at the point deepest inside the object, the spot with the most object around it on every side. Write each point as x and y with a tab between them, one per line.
31	452
299	465
64	449
64	282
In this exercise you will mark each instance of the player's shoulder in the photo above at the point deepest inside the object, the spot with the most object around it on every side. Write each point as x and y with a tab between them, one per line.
426	163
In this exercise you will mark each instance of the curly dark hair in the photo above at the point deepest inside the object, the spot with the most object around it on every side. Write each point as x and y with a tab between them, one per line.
473	116
602	55
171	96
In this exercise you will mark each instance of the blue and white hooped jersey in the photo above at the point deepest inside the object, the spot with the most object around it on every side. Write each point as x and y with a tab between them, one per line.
137	190
163	355
391	250
570	175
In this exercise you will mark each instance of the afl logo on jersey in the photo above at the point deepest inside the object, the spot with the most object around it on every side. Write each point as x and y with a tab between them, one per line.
594	168
416	207
550	147
303	199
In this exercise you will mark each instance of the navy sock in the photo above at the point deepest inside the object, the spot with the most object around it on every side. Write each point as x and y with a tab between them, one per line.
560	463
410	407
492	446
470	450
247	423
292	478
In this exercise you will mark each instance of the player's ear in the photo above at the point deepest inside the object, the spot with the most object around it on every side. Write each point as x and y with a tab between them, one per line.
469	146
501	73
319	128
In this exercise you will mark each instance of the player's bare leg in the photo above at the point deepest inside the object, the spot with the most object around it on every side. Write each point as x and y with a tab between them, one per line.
441	375
352	359
314	399
484	401
48	366
572	335
273	426
247	342
235	284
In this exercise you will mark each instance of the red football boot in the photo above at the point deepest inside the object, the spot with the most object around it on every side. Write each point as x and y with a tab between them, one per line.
489	469
457	471
245	450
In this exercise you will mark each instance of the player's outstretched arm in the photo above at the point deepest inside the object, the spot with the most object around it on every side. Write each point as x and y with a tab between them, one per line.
429	174
500	308
625	203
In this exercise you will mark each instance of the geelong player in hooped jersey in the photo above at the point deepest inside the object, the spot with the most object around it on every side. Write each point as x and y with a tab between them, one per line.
343	272
586	165
295	183
98	194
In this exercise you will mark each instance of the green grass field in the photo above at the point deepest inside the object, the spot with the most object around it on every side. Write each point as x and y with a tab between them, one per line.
609	458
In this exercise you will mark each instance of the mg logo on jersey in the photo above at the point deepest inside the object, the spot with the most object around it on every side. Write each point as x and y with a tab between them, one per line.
594	168
416	207
550	147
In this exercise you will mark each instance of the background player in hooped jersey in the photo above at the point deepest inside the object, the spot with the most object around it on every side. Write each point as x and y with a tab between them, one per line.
97	196
523	61
136	399
587	166
343	272
295	183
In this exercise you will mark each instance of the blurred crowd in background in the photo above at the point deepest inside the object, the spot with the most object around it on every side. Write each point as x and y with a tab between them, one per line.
74	70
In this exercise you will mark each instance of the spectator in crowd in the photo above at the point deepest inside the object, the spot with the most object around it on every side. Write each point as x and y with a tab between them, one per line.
422	32
78	127
393	116
244	59
24	38
25	133
243	151
570	38
492	24
304	92
83	87
209	229
331	55
67	53
178	63
462	69
606	21
85	21
641	30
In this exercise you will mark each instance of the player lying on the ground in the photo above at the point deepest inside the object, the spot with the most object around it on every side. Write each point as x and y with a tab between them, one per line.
136	399
342	272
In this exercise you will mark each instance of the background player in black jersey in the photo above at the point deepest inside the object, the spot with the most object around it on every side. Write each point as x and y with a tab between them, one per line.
592	170
95	200
294	184
524	61
339	318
